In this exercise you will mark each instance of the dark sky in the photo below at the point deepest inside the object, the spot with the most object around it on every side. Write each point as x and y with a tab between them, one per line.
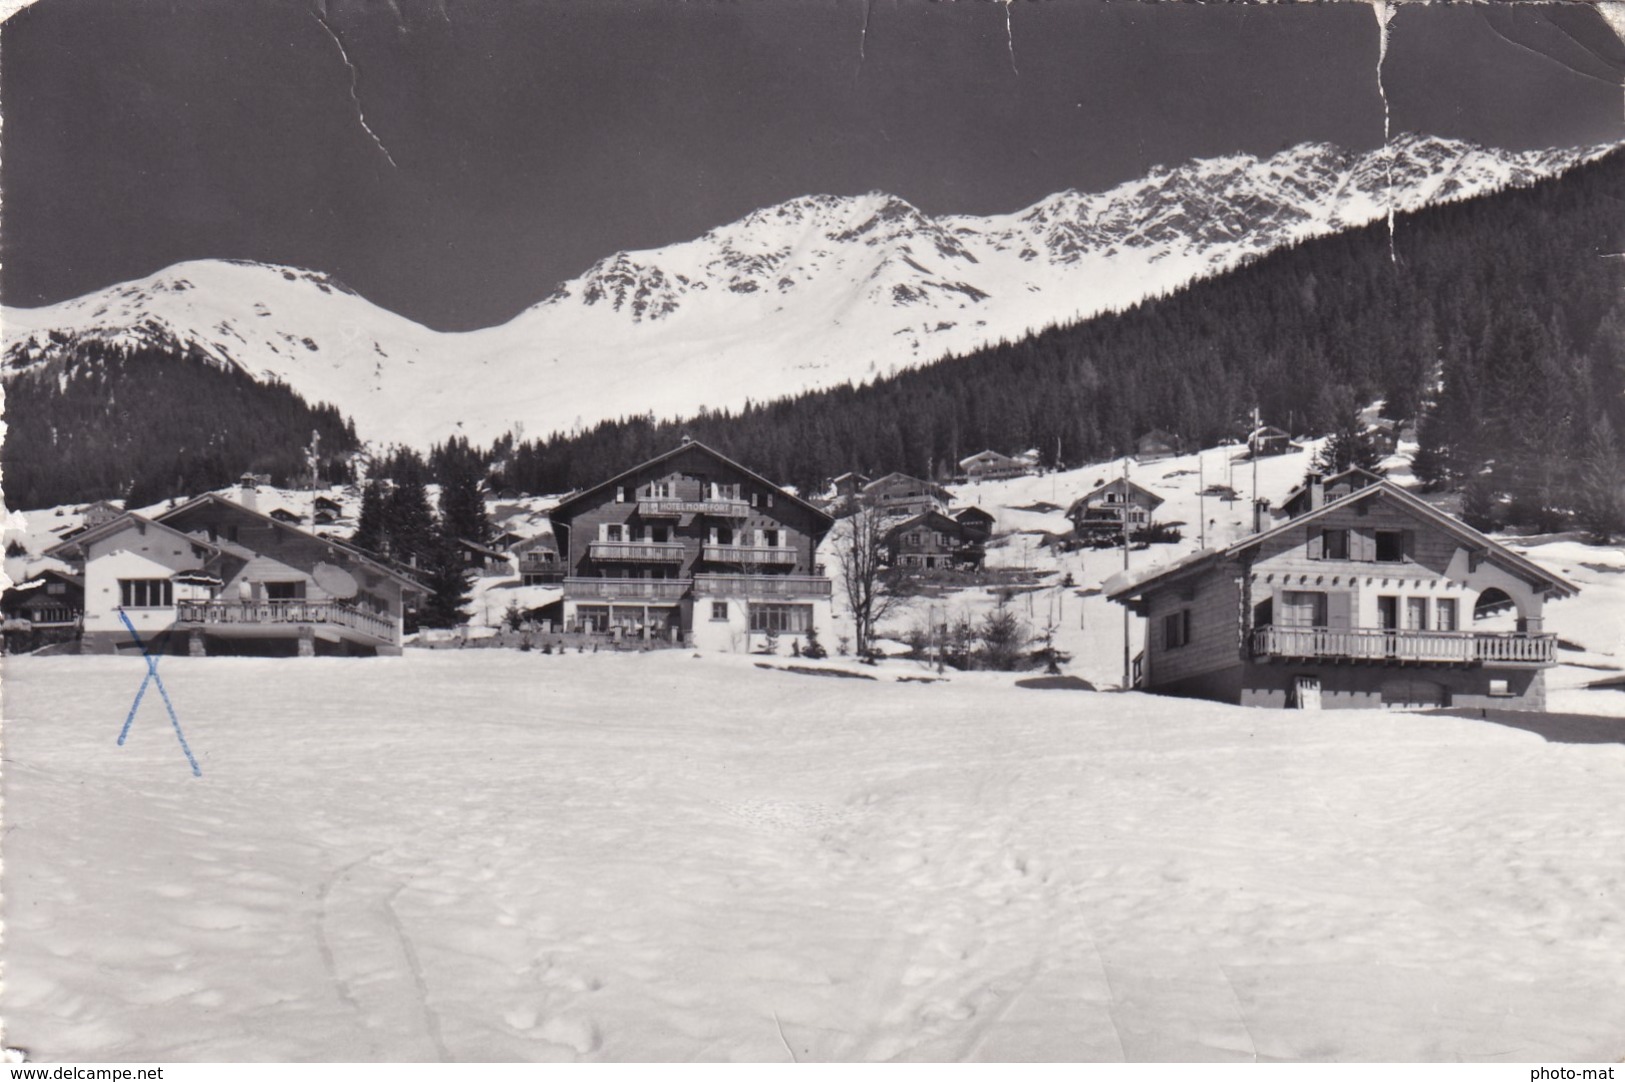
527	138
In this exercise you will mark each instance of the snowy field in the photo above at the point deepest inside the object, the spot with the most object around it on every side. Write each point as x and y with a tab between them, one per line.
493	855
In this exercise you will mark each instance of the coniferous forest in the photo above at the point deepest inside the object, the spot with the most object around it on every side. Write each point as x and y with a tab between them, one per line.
145	424
1499	323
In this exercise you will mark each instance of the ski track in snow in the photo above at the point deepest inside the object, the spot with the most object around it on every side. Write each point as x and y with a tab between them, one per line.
659	857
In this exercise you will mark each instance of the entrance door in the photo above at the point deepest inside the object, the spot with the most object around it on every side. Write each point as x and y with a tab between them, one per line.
1388	620
1306	692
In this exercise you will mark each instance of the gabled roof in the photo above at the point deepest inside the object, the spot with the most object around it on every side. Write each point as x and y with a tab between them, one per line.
930	488
483	550
1531	572
90	536
988	456
1114	484
934	519
350	550
688	445
963	511
1353	472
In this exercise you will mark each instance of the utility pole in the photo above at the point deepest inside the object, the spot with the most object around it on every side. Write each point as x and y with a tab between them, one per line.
1127	664
1201	501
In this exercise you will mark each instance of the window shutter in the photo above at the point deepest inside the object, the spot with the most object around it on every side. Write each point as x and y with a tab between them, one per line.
1408	541
1317	543
1339	611
1363	545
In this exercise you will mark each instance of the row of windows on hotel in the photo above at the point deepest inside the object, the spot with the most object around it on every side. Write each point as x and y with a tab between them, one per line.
160	593
709	490
789	619
717	535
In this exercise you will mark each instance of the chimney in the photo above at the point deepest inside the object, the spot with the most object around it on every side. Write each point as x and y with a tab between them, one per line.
1261	515
1317	491
247	495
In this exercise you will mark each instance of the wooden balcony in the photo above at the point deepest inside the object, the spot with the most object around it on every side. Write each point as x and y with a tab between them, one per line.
763	587
250	615
671	507
576	589
643	552
749	554
1405	647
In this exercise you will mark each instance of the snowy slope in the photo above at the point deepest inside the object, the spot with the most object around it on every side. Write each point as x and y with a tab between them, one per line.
810	293
652	857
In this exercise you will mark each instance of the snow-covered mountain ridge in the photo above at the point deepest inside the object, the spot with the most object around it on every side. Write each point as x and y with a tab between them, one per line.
810	293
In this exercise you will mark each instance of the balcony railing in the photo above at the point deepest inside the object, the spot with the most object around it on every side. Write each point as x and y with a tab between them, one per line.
637	551
750	554
626	589
286	613
721	506
762	587
1371	644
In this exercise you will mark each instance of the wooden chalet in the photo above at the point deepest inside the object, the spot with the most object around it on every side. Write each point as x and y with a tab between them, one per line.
691	546
486	559
992	466
45	608
282	514
539	563
1156	444
1371	599
1267	440
932	540
1117	505
975	522
213	576
1317	490
900	494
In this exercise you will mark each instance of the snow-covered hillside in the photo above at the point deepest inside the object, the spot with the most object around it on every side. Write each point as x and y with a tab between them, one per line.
810	293
489	855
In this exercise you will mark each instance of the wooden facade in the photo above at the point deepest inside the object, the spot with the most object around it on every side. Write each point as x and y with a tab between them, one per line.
692	546
992	466
1114	506
901	494
933	540
1372	599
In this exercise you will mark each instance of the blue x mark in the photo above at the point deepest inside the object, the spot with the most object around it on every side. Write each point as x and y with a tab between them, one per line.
152	677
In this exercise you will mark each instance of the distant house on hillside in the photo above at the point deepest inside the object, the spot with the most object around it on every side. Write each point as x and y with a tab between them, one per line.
1268	440
538	560
932	540
1317	490
483	558
692	546
214	576
284	515
1362	601
1113	507
900	494
45	608
1156	444
991	466
977	523
101	511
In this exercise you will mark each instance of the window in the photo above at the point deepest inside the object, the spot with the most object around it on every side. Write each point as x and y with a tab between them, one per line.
1176	629
794	619
284	591
56	587
593	617
770	499
145	593
719	610
620	494
770	538
1390	546
1302	608
1444	614
1500	689
916	539
660	489
1334	545
659	534
614	531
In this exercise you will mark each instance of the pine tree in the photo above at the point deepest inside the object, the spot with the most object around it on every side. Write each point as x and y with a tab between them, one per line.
462	503
370	527
444	574
409	526
1602	484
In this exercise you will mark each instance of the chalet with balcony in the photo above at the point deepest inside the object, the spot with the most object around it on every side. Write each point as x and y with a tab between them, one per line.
1114	507
1371	599
213	576
1266	440
992	466
693	547
539	563
900	494
45	608
932	540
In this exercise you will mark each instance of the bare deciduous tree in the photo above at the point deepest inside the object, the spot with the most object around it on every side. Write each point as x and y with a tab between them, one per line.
860	552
